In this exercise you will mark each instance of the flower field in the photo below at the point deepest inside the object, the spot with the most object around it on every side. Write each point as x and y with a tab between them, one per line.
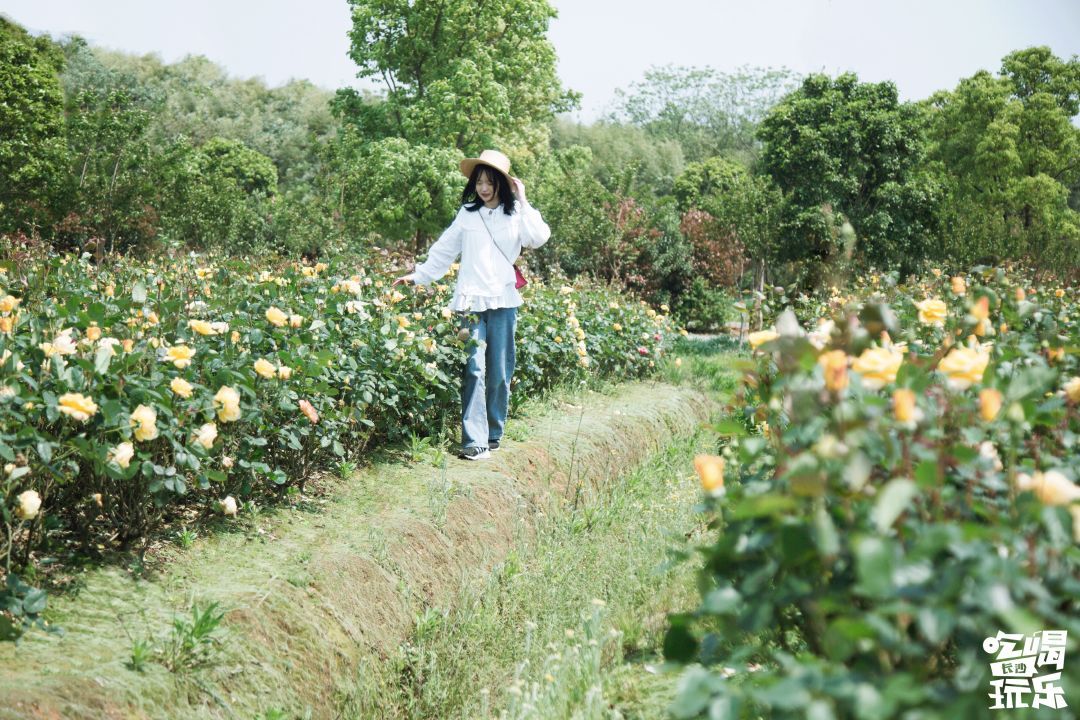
897	483
131	391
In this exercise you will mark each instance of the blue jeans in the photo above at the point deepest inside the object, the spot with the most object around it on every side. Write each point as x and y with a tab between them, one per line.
485	383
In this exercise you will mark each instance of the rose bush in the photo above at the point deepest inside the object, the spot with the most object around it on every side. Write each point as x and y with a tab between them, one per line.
870	534
130	389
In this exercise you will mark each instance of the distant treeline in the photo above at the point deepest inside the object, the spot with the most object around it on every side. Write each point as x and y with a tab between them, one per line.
696	180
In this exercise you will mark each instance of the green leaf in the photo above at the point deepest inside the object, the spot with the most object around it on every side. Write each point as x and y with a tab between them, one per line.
102	358
893	500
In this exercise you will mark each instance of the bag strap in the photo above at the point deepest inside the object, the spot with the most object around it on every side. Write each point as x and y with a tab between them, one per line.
493	240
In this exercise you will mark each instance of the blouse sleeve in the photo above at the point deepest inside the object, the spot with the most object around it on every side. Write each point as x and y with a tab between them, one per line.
534	231
442	254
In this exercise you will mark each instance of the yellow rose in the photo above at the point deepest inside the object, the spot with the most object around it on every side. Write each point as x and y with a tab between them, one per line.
296	321
963	367
1051	487
93	333
122	454
77	405
617	327
1021	296
227	401
710	470
1055	354
932	312
7	324
265	368
29	504
980	310
835	365
276	317
206	434
989	403
1059	293
180	355
228	506
234	336
959	287
284	372
128	344
904	405
181	387
8	303
402	321
202	327
761	337
878	366
144	420
1072	390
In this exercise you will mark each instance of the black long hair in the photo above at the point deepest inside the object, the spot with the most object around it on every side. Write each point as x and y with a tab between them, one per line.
503	191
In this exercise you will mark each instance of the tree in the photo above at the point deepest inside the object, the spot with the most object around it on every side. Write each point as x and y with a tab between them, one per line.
853	148
1010	159
32	153
706	111
625	158
459	75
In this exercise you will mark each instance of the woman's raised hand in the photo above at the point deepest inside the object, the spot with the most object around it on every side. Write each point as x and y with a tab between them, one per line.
405	280
519	188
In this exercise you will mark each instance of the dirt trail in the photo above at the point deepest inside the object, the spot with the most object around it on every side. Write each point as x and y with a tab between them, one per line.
308	593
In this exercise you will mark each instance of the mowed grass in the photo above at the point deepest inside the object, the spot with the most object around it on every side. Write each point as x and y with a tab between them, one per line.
571	625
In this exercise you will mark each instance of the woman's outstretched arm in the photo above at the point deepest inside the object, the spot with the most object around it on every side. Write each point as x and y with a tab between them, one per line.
441	255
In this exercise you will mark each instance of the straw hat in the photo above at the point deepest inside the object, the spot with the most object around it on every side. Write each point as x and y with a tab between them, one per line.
491	158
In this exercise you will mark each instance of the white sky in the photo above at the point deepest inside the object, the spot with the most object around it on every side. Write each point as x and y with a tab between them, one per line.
922	45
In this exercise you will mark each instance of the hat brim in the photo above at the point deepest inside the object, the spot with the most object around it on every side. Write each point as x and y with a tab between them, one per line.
469	164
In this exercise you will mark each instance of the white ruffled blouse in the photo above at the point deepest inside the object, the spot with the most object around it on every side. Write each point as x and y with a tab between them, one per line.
486	278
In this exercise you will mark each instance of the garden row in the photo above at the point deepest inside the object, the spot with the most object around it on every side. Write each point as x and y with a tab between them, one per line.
129	390
901	488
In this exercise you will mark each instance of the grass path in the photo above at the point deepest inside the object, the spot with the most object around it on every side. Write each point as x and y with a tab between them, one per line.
307	594
571	624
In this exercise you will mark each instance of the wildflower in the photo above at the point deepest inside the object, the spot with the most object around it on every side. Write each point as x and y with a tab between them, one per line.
566	290
710	470
181	387
616	327
144	420
122	454
77	405
29	504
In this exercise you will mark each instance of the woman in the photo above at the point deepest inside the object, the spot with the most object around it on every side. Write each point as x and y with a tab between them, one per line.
488	233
